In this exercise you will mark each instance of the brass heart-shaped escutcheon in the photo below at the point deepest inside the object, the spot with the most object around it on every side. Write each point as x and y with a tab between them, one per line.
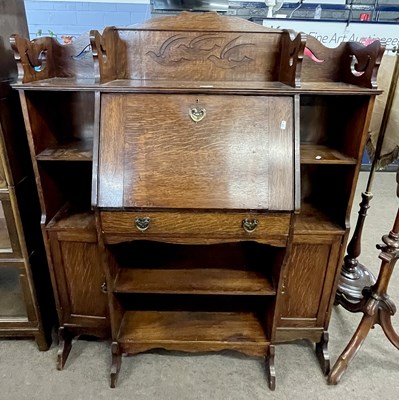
197	114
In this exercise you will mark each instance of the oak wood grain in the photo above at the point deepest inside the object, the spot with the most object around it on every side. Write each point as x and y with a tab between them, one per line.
194	281
77	150
111	155
306	293
168	161
291	334
82	270
196	224
68	219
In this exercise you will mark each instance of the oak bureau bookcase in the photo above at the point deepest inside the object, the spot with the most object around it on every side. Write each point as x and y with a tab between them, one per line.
222	158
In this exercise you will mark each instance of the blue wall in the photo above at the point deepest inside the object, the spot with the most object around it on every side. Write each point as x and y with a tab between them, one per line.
69	18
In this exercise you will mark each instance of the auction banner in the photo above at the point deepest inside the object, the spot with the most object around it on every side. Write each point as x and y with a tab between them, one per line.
331	34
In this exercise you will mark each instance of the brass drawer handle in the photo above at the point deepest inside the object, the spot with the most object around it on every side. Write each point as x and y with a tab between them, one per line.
249	225
142	223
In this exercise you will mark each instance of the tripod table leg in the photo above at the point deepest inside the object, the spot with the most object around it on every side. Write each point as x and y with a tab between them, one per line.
386	324
351	349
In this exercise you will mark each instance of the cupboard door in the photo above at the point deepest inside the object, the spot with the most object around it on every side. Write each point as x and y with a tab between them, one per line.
308	282
80	281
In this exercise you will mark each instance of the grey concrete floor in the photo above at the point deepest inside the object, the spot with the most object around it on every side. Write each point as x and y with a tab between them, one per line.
26	373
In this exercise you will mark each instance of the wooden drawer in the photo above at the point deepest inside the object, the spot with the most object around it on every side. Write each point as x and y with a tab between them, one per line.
269	228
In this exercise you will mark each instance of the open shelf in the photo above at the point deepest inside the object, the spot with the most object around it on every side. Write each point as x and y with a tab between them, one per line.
229	269
142	85
319	154
193	281
69	218
76	150
312	220
192	331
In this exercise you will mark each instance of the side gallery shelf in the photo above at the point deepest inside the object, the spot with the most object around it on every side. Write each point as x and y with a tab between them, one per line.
196	175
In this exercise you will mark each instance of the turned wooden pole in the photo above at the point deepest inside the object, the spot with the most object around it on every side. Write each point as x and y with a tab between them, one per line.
378	307
355	276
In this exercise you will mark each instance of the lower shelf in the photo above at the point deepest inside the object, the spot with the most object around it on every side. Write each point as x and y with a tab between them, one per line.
193	281
192	332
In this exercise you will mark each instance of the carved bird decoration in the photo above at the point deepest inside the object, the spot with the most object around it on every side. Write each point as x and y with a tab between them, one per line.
230	55
200	46
166	54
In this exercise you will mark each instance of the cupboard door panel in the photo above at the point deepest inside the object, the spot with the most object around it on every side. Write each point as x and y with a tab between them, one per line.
81	286
308	284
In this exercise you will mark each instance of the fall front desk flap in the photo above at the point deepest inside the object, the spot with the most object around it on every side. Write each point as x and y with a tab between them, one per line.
196	151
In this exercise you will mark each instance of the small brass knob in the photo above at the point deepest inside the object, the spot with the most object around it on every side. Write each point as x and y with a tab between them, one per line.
249	225
142	223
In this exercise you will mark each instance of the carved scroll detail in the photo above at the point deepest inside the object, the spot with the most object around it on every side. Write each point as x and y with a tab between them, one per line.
45	58
362	63
350	62
35	59
104	57
292	51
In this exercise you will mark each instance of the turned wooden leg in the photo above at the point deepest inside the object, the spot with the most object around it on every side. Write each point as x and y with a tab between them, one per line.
351	349
64	347
270	368
116	363
322	353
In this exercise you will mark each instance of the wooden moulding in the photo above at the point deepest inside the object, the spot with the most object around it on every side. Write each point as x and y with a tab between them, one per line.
351	63
45	58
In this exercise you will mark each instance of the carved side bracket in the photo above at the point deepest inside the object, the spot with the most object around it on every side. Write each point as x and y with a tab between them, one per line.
37	59
292	50
361	63
104	48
